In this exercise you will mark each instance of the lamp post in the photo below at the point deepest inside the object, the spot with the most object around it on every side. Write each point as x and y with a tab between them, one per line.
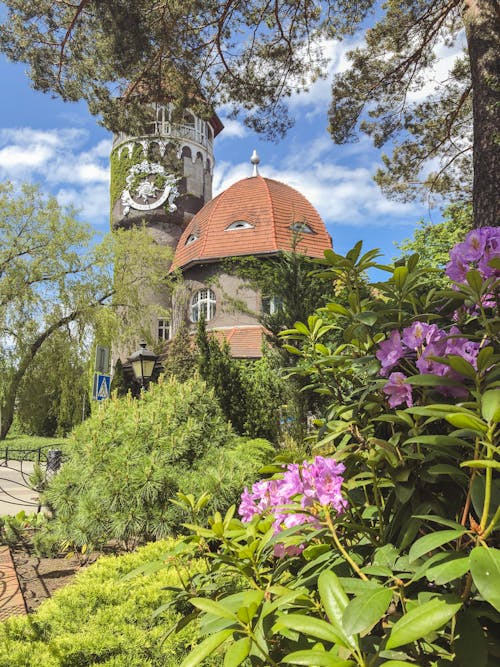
143	364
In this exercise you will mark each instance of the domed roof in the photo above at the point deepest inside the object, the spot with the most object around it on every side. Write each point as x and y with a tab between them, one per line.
254	216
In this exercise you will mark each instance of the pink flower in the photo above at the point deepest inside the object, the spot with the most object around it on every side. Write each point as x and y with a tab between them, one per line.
316	482
390	352
398	391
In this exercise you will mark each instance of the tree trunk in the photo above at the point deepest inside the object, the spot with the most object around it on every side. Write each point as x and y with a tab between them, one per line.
482	25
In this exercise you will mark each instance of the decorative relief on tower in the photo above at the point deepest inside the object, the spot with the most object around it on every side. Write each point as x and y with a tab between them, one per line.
149	186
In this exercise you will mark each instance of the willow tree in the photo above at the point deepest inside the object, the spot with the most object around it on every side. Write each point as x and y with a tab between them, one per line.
53	275
255	53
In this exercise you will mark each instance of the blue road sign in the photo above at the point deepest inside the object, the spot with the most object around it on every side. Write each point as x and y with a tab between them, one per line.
101	387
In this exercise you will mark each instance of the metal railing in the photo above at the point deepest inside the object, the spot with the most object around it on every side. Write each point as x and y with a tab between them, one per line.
23	475
165	129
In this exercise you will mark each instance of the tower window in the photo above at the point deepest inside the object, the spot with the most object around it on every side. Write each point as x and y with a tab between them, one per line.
271	304
239	224
203	305
163	332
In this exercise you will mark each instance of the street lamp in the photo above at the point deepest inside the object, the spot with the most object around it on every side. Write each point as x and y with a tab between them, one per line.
143	363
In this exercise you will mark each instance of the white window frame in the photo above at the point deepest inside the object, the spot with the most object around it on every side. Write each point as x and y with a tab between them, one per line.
163	331
203	302
238	224
301	227
271	304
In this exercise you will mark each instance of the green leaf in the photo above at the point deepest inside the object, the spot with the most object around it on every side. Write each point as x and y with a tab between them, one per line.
429	380
433	541
364	611
309	625
424	619
206	647
467	421
337	308
481	464
367	317
439	520
397	663
316	659
400	275
237	652
483	358
437	440
212	607
452	568
475	281
470	643
315	550
490	406
461	365
485	570
335	601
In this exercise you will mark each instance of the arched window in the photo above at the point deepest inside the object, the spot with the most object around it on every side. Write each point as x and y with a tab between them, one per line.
301	227
191	239
203	304
239	224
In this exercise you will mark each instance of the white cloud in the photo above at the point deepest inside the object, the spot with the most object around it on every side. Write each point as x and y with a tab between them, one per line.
91	202
232	128
60	160
341	194
318	96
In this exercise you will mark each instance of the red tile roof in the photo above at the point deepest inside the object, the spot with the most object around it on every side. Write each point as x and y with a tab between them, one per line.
269	206
245	341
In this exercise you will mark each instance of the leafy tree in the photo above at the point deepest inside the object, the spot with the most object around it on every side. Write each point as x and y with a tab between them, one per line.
257	53
53	395
433	243
118	382
181	360
53	274
290	280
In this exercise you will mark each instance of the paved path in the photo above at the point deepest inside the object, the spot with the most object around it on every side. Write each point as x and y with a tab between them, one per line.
11	598
15	494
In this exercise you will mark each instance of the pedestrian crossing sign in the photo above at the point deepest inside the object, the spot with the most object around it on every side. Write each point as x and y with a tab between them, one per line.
101	387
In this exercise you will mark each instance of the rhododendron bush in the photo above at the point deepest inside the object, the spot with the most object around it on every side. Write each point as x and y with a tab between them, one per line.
382	548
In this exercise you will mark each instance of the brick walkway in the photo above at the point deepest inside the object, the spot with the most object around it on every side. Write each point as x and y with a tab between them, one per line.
11	599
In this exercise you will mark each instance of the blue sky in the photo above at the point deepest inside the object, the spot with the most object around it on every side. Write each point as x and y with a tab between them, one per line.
61	146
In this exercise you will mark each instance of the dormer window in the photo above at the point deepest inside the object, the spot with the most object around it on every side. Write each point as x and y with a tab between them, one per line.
191	239
239	224
301	227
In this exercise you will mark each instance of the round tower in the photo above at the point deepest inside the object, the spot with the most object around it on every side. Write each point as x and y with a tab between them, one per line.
164	176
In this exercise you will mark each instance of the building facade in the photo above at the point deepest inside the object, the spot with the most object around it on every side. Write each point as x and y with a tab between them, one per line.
164	179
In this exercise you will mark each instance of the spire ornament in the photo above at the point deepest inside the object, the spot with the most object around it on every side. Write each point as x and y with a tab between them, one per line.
255	160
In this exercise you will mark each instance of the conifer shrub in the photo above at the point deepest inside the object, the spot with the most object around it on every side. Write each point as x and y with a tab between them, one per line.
131	457
102	618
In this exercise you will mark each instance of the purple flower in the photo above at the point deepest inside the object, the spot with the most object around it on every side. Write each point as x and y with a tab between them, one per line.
390	352
398	391
477	250
316	482
419	333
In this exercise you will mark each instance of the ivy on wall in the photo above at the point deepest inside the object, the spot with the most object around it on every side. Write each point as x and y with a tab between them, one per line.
120	166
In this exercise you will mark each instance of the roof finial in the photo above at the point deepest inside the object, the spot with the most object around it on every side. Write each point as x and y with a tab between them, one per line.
255	159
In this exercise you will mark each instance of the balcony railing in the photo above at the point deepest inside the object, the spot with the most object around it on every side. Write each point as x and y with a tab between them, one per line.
171	130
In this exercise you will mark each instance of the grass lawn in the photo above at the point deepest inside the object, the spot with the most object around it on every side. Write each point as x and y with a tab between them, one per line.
29	442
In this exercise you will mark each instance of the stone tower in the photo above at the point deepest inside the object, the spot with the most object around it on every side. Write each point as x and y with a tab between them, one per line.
163	178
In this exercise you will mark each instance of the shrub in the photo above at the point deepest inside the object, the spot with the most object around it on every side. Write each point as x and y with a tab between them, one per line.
405	570
101	619
129	459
